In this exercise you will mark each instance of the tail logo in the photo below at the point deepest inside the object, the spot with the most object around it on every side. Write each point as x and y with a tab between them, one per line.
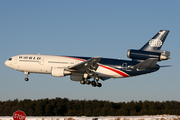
155	43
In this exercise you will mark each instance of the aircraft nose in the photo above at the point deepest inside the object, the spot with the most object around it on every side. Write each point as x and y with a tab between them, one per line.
7	63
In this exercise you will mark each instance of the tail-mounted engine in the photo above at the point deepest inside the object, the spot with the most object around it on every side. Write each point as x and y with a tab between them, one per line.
143	55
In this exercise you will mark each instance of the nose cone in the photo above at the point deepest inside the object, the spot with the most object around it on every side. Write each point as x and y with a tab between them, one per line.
8	63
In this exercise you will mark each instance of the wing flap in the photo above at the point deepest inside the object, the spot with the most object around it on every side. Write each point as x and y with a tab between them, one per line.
88	64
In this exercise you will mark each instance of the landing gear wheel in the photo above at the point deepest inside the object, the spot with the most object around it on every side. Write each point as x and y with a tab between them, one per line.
82	82
26	79
93	83
98	84
88	82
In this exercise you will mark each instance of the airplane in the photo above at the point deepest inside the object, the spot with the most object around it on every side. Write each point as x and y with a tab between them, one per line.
143	61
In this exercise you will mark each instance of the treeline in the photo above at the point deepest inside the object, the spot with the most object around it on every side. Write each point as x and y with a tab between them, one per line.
66	107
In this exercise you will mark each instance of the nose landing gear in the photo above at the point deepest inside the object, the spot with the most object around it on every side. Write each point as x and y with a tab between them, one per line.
26	79
27	74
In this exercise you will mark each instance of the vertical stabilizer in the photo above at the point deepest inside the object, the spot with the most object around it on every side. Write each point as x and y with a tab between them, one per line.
156	42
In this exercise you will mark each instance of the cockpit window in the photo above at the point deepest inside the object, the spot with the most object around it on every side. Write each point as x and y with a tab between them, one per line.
10	59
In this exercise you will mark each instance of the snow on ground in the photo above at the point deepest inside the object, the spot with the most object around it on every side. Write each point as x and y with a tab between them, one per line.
155	117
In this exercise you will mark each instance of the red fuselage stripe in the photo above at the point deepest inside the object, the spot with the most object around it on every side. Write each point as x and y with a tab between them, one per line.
74	58
109	68
116	71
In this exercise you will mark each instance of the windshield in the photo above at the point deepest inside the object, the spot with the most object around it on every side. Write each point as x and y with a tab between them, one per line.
10	59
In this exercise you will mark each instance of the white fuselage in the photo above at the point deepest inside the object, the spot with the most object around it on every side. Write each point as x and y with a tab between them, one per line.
31	63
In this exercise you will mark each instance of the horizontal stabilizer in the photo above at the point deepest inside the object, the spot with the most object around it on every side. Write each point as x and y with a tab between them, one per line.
166	66
147	64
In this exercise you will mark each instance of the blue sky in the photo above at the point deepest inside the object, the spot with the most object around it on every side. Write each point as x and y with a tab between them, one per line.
88	28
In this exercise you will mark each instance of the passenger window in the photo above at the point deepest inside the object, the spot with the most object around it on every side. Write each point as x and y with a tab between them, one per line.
38	58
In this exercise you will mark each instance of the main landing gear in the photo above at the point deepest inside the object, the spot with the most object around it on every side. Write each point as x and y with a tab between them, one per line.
93	83
27	74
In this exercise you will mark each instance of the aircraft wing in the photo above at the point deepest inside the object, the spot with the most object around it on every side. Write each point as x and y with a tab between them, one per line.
90	64
147	64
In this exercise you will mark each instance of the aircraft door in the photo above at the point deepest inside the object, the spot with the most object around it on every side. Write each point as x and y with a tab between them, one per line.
124	66
15	60
41	62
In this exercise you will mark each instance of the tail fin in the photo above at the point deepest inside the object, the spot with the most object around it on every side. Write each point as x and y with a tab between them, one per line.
156	42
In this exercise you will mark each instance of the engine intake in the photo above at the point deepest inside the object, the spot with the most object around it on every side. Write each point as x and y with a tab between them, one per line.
59	72
143	55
